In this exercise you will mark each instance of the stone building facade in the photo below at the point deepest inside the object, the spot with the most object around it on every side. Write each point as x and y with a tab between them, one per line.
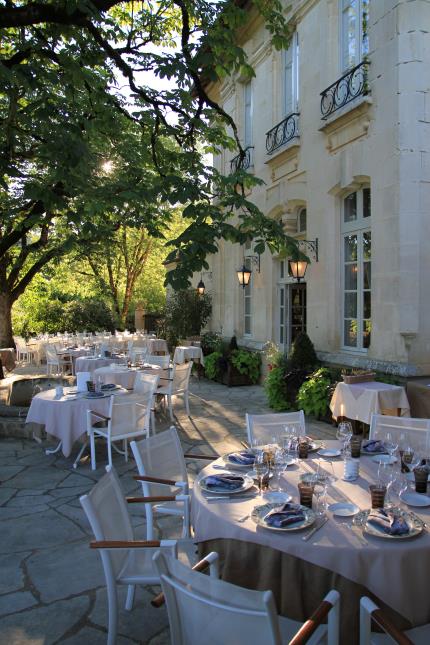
338	126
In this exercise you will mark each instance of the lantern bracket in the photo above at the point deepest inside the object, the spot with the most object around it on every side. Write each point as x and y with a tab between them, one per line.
310	247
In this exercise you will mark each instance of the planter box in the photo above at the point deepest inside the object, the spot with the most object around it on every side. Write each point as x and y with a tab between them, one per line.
232	377
358	378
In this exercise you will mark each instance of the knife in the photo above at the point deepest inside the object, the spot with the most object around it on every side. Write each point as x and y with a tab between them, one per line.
306	537
226	497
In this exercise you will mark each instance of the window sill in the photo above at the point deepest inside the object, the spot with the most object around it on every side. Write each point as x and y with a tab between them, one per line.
348	124
359	105
284	152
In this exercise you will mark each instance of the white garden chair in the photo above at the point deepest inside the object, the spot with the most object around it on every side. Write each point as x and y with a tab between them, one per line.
24	353
125	560
56	362
177	385
370	612
161	465
146	384
162	361
138	354
263	428
129	418
205	609
415	432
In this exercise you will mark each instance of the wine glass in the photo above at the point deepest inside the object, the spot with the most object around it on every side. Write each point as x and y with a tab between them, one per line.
391	444
278	467
344	433
320	491
260	467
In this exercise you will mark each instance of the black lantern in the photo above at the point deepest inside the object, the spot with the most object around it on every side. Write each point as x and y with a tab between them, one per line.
201	287
244	276
297	269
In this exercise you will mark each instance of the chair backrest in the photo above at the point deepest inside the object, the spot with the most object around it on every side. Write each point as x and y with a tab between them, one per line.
51	354
81	381
107	513
369	611
138	353
224	613
162	361
160	456
263	428
415	432
181	377
126	416
145	382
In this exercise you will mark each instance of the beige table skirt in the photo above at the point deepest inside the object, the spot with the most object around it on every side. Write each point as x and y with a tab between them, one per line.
298	586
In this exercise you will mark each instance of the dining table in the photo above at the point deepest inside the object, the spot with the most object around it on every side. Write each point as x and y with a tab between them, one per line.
339	555
188	353
65	416
126	376
358	401
91	363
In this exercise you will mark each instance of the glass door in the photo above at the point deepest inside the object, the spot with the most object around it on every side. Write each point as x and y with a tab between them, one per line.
297	311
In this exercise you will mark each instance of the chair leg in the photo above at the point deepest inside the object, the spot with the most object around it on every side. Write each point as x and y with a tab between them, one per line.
169	396
109	447
93	451
113	614
187	404
152	423
125	444
130	597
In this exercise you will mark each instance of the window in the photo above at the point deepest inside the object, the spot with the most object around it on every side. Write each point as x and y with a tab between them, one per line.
247	120
291	76
301	221
357	257
354	32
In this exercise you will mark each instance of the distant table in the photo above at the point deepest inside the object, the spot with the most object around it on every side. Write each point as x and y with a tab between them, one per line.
418	391
125	376
85	364
157	346
359	401
188	353
66	418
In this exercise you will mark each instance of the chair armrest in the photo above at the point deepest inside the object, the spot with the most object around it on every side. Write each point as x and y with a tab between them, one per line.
202	565
154	480
147	500
163	378
382	621
312	624
124	544
211	457
99	415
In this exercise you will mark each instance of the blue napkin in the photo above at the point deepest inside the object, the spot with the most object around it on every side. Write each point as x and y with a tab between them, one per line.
284	515
244	458
374	445
226	482
388	522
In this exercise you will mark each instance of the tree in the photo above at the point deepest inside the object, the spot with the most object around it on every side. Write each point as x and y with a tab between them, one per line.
62	113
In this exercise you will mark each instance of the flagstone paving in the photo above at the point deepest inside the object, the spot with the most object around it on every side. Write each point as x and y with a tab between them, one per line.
51	584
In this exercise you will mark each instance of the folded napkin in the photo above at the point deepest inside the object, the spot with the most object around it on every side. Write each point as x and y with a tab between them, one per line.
284	515
388	522
244	458
374	445
227	482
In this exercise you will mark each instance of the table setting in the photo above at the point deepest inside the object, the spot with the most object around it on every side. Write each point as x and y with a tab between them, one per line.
323	514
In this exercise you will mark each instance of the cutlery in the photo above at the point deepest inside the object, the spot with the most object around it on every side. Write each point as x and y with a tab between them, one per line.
244	518
306	537
219	498
245	445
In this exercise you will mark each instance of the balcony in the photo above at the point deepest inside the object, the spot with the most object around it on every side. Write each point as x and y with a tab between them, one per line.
242	162
349	87
282	133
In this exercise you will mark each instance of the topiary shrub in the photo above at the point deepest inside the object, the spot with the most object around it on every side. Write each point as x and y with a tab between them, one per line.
302	355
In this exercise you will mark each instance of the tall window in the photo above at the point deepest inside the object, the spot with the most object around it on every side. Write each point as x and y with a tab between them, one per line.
357	257
291	76
247	119
354	32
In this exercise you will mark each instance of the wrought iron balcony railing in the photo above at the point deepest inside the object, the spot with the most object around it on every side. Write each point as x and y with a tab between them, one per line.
282	133
346	89
242	163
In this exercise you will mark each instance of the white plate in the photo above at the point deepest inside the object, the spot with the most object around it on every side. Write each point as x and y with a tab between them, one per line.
260	512
416	525
231	464
343	509
384	459
253	474
415	499
328	452
276	497
248	483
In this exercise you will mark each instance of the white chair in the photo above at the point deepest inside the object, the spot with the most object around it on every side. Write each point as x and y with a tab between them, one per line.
129	417
23	351
138	354
415	432
369	611
205	609
177	385
161	464
262	428
161	361
56	362
125	561
81	381
146	385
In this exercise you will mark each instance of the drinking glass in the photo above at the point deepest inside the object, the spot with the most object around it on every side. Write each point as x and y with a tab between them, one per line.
320	491
344	433
278	467
391	444
260	467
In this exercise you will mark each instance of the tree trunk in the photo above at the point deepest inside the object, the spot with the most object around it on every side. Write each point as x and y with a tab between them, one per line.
6	338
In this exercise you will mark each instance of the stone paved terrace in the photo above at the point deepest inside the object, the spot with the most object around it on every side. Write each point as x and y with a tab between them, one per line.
51	583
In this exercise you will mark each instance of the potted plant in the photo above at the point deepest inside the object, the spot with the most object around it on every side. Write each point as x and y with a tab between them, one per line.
233	365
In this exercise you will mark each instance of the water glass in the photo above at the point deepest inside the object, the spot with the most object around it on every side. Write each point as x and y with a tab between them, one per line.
377	494
356	446
421	477
303	449
261	468
320	491
306	490
344	433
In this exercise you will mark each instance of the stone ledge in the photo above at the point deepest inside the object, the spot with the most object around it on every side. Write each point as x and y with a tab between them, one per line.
365	362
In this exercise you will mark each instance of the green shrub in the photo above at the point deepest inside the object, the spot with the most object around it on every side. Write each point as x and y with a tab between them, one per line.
212	365
211	342
187	312
313	396
274	387
302	355
246	363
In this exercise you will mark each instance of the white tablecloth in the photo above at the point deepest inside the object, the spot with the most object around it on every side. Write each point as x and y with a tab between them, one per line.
84	364
395	570
361	400
118	375
65	418
184	353
157	345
